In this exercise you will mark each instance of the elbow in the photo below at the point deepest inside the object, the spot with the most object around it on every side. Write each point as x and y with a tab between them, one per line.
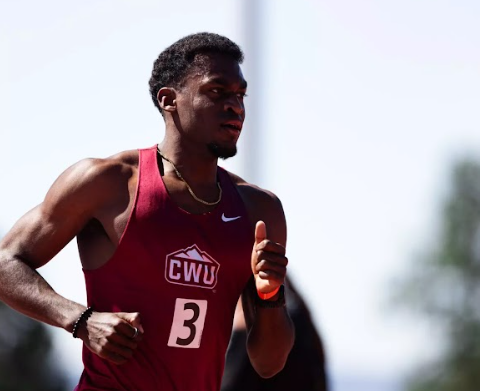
267	373
268	356
268	369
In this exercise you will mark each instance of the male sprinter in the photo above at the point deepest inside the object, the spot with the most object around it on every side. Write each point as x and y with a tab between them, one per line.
167	239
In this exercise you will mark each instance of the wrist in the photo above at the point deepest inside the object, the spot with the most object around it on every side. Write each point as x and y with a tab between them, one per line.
82	319
275	301
270	295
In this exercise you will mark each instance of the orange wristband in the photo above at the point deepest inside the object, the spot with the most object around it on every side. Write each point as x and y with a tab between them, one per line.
266	296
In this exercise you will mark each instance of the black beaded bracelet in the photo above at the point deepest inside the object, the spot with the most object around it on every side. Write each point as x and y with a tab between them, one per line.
85	315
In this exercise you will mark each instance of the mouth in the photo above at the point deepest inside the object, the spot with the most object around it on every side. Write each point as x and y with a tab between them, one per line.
235	126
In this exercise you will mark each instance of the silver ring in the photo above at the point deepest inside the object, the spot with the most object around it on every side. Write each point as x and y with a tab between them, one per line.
135	334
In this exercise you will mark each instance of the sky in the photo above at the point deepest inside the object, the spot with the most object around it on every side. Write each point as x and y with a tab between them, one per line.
356	112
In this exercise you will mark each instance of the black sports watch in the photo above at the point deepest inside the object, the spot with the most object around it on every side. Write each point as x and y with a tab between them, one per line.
280	302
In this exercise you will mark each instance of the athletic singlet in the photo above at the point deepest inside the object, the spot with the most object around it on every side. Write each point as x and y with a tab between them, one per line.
183	273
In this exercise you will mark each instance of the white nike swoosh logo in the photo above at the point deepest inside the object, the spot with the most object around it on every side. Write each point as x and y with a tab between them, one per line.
227	219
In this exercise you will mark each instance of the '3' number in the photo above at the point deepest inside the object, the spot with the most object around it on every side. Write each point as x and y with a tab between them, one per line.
188	323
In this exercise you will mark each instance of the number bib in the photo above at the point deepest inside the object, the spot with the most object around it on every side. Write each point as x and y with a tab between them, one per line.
188	323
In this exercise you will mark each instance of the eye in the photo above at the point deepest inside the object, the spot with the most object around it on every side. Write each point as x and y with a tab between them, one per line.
242	95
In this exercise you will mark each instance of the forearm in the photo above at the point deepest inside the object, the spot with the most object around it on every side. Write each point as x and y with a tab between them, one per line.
26	291
270	340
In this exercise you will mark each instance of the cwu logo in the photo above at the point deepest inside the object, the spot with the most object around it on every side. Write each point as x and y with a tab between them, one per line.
191	267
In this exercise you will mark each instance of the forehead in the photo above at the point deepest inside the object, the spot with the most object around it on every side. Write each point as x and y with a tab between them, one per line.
216	68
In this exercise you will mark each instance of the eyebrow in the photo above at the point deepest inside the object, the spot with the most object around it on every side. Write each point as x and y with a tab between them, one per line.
224	82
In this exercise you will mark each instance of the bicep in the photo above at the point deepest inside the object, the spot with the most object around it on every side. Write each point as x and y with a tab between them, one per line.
43	231
39	235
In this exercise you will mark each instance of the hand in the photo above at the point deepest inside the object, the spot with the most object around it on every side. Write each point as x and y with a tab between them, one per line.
112	335
269	263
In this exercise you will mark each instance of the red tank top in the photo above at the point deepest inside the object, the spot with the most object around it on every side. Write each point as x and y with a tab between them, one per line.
183	273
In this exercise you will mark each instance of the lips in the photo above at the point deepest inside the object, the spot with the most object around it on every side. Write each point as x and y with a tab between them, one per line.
233	125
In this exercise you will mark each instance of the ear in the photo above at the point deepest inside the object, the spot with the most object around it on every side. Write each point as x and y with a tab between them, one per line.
166	99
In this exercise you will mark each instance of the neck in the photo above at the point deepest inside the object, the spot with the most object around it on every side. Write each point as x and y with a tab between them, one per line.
197	167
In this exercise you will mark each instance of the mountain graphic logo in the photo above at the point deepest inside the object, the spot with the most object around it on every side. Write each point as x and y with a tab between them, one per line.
191	267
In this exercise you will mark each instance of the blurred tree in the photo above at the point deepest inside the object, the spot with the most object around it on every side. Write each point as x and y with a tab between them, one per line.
25	355
445	286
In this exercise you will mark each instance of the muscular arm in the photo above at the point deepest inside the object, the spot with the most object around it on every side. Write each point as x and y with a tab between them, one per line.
36	238
74	199
270	330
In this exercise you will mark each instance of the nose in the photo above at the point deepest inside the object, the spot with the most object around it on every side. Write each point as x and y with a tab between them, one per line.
235	104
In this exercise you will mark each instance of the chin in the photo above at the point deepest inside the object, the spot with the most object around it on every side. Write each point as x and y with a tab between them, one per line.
222	151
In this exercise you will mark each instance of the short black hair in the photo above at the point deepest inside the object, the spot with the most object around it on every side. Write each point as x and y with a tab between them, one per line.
175	62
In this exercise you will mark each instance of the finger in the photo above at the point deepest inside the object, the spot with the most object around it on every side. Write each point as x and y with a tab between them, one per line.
272	257
133	333
136	322
121	339
265	266
260	232
272	276
273	247
129	332
133	318
136	333
124	328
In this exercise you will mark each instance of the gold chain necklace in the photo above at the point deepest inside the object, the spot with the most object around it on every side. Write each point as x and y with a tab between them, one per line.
188	186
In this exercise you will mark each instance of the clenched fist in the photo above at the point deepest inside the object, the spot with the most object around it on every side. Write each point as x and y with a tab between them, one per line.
269	263
112	336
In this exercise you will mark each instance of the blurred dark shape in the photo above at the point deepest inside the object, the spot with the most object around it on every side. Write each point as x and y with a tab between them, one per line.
444	285
25	349
305	367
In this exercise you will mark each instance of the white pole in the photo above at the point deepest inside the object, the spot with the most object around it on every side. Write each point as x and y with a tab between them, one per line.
252	137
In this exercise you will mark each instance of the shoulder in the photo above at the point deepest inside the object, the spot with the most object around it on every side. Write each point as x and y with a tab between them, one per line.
254	193
262	205
97	170
93	179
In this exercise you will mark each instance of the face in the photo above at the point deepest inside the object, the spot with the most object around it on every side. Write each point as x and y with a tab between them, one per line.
210	109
